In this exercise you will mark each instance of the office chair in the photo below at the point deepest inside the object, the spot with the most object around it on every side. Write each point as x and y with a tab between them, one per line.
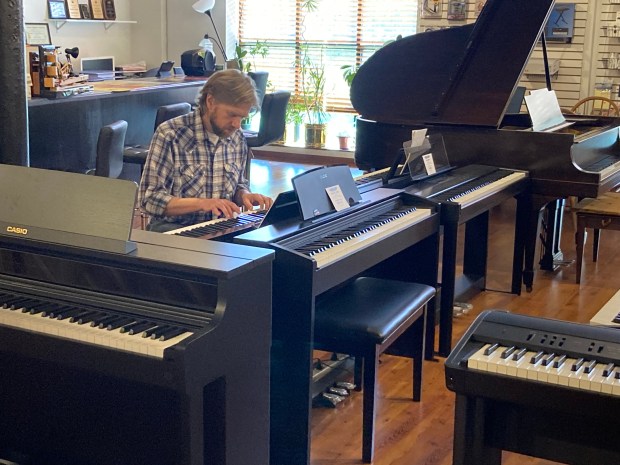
260	80
109	161
136	153
272	119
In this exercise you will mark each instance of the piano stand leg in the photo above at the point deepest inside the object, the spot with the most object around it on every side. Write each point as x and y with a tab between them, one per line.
552	230
470	447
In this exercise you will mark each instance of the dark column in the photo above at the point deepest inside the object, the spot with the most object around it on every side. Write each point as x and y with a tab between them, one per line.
13	101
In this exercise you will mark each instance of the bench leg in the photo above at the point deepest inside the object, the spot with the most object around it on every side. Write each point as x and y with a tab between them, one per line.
418	356
579	237
597	238
371	364
358	369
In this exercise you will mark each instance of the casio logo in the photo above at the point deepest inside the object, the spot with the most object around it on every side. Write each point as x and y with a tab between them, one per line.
16	230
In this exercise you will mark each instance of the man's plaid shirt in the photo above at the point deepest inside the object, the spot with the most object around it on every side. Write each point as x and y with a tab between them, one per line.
186	161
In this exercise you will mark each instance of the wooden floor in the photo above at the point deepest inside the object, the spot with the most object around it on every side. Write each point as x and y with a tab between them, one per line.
411	433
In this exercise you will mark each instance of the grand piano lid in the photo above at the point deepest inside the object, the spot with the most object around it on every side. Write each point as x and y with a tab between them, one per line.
463	75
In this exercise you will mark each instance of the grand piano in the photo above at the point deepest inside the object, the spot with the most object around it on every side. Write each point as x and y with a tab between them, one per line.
155	354
458	82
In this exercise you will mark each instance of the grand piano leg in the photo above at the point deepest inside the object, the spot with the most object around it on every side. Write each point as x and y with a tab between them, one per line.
524	206
538	202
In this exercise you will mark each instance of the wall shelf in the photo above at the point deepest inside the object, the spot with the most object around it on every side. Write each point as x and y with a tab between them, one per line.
107	24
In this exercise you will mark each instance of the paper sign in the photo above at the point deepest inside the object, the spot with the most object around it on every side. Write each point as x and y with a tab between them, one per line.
417	137
337	197
429	163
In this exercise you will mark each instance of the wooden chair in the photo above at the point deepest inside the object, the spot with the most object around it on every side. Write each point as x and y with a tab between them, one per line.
600	213
596	106
365	318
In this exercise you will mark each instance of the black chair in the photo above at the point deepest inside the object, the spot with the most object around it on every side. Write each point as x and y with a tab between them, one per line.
137	153
272	119
363	319
110	144
260	81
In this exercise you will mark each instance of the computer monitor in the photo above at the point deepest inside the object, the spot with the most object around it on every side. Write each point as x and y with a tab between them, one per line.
97	64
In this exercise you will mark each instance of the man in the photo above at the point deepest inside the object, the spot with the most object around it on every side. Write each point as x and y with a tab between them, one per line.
195	168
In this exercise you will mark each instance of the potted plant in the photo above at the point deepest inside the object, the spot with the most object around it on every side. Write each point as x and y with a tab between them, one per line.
313	100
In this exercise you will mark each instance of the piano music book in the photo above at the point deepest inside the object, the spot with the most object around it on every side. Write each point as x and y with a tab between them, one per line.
544	109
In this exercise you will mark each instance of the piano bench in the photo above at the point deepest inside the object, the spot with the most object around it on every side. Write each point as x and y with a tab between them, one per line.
600	213
363	319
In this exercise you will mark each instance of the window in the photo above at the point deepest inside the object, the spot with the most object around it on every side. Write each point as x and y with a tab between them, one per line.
335	33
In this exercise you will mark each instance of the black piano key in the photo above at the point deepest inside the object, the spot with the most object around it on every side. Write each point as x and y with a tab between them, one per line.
85	317
536	358
518	355
43	309
609	369
122	321
102	322
140	327
489	350
155	330
589	366
65	312
174	332
548	359
559	361
617	375
508	351
577	365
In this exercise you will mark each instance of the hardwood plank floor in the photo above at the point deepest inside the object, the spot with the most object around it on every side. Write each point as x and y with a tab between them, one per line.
410	433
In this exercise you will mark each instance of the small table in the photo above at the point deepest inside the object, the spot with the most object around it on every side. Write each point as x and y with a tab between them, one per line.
600	213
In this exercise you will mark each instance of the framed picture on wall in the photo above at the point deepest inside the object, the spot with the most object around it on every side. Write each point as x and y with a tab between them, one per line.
56	9
85	10
37	34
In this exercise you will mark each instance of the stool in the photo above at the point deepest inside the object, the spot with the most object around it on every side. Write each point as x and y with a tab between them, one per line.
362	319
600	213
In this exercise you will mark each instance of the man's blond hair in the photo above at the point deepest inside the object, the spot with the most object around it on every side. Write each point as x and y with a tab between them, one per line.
230	87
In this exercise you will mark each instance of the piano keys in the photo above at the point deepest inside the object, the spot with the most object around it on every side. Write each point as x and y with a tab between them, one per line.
223	229
389	234
535	386
450	82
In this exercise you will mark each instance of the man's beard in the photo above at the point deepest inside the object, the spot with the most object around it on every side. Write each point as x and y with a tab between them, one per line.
217	130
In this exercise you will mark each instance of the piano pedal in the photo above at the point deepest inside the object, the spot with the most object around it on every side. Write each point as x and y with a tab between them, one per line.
326	399
461	308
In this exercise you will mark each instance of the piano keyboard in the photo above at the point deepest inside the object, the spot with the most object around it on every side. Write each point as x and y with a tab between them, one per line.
547	367
102	328
606	166
221	226
472	191
339	244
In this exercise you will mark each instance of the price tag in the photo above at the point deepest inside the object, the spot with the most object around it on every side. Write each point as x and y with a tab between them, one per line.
429	163
337	197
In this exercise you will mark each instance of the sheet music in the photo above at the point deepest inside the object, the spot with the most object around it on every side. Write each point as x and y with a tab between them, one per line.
545	111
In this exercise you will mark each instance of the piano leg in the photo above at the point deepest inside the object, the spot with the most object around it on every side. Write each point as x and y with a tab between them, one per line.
551	235
470	447
448	279
524	205
533	227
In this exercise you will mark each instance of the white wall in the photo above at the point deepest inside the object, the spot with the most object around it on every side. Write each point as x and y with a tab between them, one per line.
92	38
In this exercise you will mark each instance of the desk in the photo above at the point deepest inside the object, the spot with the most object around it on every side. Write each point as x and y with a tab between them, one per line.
63	133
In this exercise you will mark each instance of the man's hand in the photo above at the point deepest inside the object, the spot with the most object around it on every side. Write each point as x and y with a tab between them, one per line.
256	200
219	207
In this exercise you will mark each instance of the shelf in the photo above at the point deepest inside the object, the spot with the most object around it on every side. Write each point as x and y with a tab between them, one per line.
107	24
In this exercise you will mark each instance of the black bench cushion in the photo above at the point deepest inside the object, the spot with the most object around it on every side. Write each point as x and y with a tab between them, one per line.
368	309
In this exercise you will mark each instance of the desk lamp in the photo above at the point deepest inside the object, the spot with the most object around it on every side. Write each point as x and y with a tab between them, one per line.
205	6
